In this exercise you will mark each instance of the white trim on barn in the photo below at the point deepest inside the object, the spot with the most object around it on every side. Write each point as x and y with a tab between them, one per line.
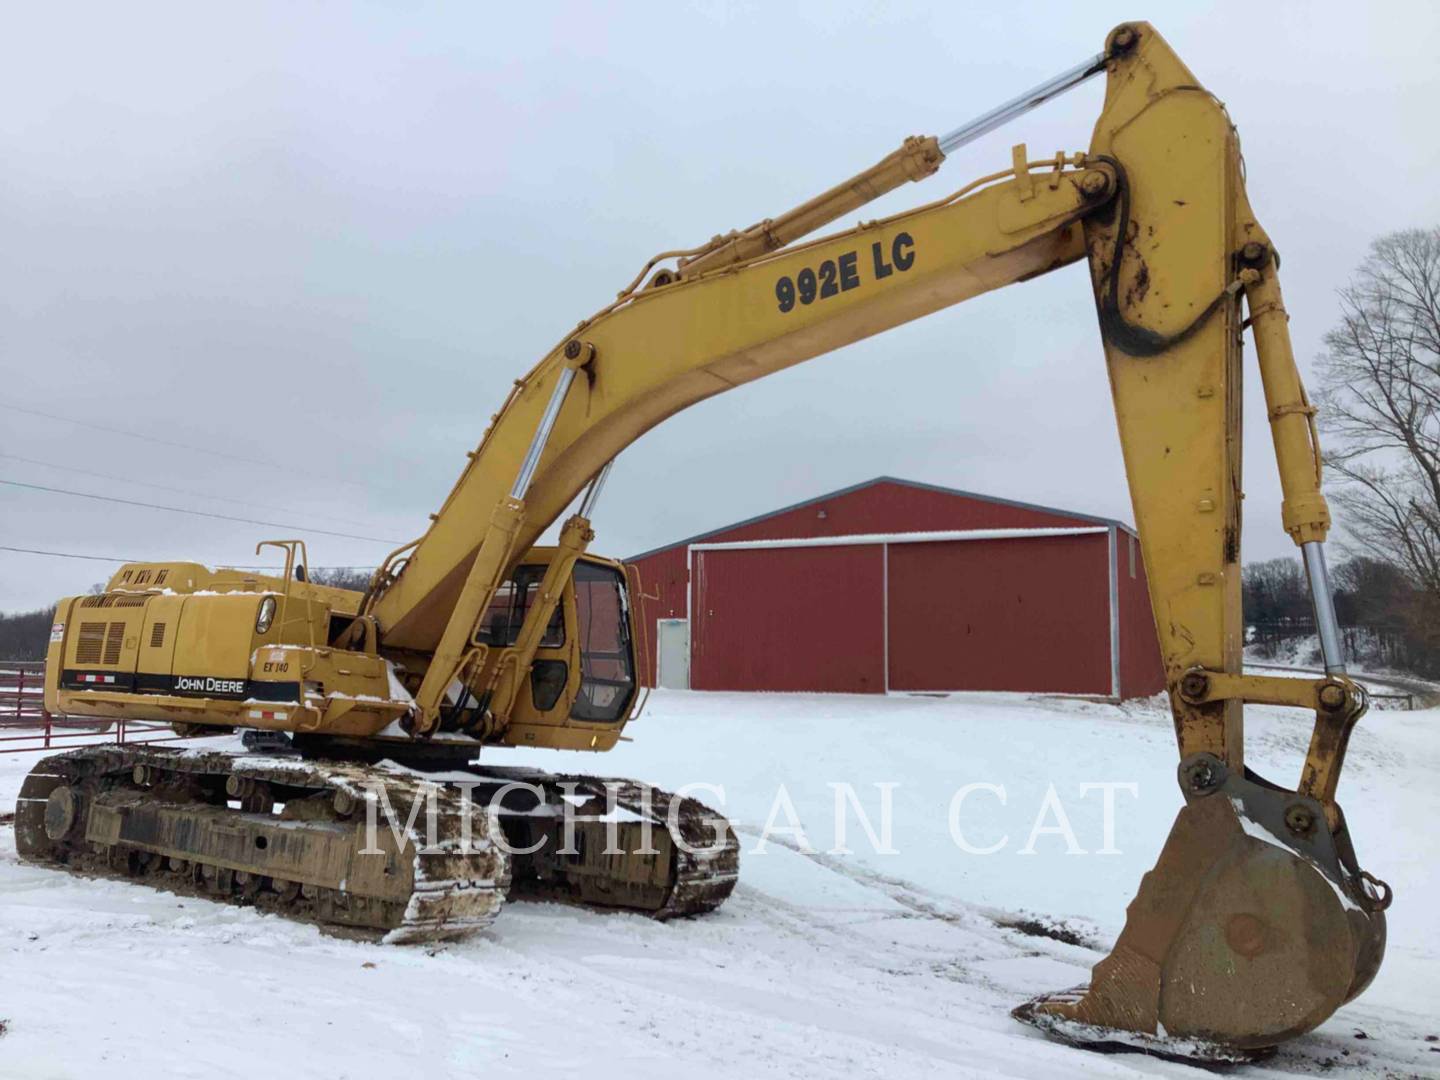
866	539
885	612
1114	613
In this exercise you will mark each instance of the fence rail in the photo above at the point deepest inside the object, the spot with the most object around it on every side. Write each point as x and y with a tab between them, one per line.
1396	689
27	726
21	694
1406	700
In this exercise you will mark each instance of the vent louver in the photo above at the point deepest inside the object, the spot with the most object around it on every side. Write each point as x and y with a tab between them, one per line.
157	635
89	643
113	641
114	600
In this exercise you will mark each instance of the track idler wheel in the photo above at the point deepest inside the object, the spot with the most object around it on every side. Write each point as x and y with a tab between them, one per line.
1254	926
62	812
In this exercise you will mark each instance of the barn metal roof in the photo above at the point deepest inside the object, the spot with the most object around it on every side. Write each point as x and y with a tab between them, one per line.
995	499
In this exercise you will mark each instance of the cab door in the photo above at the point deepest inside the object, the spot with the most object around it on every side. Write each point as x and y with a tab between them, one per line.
545	697
607	653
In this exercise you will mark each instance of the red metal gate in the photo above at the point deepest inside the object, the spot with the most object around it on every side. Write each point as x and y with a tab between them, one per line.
26	725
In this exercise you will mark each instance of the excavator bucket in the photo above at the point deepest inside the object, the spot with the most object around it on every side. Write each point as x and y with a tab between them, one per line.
1253	927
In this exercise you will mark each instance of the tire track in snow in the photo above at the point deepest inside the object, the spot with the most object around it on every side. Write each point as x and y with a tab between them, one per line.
928	904
1333	1049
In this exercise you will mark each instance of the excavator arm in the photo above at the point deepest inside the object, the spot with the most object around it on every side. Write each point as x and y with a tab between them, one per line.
1257	922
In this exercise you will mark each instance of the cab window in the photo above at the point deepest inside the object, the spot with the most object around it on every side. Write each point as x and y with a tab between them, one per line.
607	668
506	614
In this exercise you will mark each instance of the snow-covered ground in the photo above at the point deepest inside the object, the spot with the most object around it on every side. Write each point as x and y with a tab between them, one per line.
820	965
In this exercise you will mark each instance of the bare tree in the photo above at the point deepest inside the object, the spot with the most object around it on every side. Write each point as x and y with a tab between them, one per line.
1381	405
24	634
1275	593
342	577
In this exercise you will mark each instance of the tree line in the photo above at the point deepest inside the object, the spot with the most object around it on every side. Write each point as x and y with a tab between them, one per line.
1385	619
24	634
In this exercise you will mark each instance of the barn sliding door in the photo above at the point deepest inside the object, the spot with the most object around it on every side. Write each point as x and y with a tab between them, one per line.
1029	614
796	618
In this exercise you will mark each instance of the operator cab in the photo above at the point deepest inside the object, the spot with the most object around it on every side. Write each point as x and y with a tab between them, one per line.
582	684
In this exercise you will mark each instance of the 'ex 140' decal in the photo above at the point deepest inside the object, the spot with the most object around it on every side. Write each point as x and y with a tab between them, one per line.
842	274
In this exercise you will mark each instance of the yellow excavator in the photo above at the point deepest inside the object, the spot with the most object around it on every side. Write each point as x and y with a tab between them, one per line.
1256	922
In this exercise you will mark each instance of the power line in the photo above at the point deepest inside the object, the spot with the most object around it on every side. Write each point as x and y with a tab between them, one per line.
65	554
195	513
154	439
175	490
281	569
107	558
138	435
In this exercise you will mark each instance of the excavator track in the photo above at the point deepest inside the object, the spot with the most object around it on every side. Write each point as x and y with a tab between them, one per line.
289	836
667	856
280	834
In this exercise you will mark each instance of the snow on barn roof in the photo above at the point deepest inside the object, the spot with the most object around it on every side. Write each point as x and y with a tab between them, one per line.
993	499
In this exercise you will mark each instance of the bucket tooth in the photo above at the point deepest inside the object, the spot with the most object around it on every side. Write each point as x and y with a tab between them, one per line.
1247	932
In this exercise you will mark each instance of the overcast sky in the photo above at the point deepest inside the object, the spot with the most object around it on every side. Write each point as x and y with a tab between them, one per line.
320	242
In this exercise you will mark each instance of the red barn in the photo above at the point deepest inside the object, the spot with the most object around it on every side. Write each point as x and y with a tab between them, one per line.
895	585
